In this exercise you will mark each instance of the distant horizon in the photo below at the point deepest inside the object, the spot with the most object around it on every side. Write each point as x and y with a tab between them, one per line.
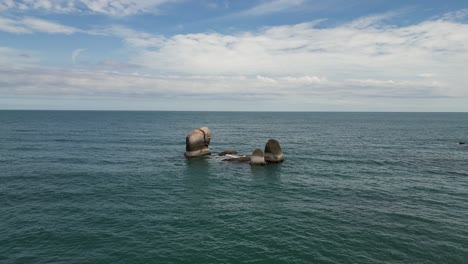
224	55
222	111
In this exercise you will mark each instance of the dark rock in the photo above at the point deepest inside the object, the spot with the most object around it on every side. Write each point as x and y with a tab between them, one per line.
461	143
273	152
257	158
196	143
227	152
238	159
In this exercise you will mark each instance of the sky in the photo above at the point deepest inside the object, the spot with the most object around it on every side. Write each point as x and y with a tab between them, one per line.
226	55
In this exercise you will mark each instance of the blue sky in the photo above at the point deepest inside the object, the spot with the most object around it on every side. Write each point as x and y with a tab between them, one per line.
296	55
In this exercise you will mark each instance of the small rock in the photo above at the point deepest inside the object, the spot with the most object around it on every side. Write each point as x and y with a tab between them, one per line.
461	143
257	158
238	159
196	143
273	152
227	152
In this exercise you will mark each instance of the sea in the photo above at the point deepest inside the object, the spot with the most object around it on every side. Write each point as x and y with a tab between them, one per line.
115	187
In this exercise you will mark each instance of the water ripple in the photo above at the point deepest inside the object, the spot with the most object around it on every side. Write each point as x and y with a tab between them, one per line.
114	187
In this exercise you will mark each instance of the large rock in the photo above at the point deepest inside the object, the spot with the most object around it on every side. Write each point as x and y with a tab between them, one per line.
257	158
273	152
196	143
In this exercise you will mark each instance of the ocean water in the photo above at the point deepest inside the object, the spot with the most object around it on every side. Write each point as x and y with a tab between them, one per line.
114	187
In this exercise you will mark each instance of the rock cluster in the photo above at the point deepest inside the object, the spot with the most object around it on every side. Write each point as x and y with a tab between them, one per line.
197	141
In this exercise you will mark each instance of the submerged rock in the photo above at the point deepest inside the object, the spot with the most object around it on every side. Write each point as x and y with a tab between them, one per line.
238	159
273	152
196	143
257	158
227	152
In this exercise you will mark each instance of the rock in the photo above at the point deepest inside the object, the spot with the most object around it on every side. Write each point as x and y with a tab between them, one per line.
273	152
461	143
257	158
196	143
238	159
227	152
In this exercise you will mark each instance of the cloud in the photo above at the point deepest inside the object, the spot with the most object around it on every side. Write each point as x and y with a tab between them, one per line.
366	62
13	26
120	8
373	21
458	15
274	6
216	4
30	25
45	26
123	7
75	54
117	65
130	36
10	57
106	7
36	81
59	6
426	75
366	48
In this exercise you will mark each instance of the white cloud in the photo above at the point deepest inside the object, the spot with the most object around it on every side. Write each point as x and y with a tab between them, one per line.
30	25
131	37
354	50
107	7
375	21
365	62
75	54
123	7
30	80
45	26
214	4
455	15
13	26
274	6
60	6
131	7
116	65
426	75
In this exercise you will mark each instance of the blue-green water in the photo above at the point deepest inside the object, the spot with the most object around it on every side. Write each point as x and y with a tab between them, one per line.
114	187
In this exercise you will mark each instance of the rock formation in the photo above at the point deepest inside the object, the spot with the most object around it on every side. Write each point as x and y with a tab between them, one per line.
196	143
273	152
257	158
227	152
238	159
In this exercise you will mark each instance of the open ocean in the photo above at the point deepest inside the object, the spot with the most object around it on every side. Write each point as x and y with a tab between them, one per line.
115	187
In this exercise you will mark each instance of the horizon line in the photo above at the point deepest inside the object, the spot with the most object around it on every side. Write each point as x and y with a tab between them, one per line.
227	111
